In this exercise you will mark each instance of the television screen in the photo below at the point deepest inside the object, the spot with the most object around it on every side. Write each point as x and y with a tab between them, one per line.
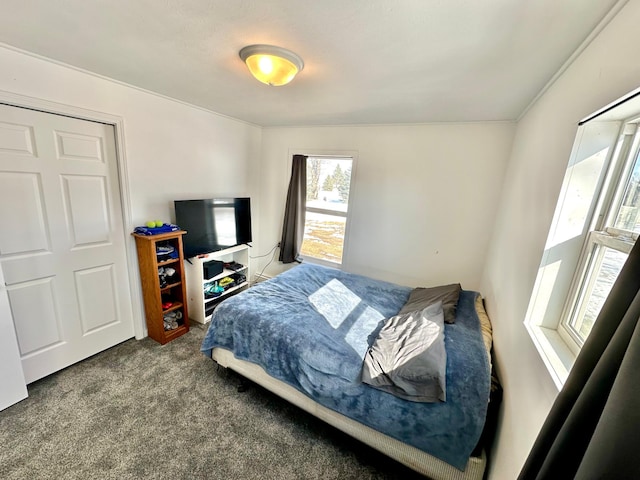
213	224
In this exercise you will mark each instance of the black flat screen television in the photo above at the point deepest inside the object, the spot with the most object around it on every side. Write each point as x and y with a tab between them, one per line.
213	224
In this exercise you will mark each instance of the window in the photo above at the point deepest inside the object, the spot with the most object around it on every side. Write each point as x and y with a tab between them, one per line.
596	223
609	243
327	207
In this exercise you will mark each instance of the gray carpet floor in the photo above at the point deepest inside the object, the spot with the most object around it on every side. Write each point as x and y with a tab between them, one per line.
142	410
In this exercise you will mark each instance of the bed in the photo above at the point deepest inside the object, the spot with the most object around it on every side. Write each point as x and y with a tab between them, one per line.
307	334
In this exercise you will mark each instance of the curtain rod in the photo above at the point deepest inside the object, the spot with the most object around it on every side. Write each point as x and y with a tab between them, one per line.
610	107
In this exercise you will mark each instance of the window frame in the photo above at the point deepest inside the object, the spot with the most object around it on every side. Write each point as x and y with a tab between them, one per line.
584	283
549	315
601	234
337	155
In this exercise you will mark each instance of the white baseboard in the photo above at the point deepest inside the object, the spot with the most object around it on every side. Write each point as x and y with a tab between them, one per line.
261	278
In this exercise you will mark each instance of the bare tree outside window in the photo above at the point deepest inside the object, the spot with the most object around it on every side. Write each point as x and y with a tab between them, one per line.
314	167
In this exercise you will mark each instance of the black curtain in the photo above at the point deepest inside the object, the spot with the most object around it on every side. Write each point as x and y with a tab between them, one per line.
293	226
593	428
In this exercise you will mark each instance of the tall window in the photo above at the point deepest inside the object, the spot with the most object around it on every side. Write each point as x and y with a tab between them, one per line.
595	225
609	242
327	207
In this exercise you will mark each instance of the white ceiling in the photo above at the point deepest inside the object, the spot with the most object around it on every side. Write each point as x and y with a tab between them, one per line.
366	61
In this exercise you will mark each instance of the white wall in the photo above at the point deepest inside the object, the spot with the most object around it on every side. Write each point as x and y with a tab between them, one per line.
423	200
605	71
172	150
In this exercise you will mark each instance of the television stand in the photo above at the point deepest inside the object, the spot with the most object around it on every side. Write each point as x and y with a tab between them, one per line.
214	276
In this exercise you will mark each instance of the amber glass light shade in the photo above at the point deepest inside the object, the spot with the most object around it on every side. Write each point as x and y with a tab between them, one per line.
274	66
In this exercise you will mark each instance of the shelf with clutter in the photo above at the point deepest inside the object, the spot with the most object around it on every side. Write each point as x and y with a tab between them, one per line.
161	264
214	276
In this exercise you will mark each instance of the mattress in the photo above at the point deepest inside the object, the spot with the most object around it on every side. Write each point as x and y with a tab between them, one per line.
309	329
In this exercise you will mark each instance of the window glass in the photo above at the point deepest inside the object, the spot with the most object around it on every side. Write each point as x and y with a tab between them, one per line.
606	268
324	237
628	215
327	206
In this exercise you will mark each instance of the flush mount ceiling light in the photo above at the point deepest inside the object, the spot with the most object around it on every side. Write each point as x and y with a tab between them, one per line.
274	66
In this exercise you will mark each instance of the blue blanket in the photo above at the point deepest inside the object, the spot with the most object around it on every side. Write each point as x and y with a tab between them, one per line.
310	327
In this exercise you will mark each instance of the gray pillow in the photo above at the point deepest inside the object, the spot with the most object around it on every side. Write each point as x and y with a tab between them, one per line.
423	297
408	358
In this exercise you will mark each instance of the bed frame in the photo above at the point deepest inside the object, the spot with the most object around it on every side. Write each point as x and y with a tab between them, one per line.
410	456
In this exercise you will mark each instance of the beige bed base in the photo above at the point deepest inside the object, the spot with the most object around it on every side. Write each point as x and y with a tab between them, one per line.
410	456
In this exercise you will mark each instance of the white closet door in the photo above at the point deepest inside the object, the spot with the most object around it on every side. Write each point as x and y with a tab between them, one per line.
62	247
12	384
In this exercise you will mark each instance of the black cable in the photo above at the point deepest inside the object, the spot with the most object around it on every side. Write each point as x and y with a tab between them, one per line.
272	258
268	253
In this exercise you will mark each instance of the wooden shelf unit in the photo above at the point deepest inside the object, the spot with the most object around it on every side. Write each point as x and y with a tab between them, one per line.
155	294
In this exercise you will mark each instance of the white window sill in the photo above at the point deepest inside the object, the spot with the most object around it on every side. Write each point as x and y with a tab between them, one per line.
557	356
320	261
